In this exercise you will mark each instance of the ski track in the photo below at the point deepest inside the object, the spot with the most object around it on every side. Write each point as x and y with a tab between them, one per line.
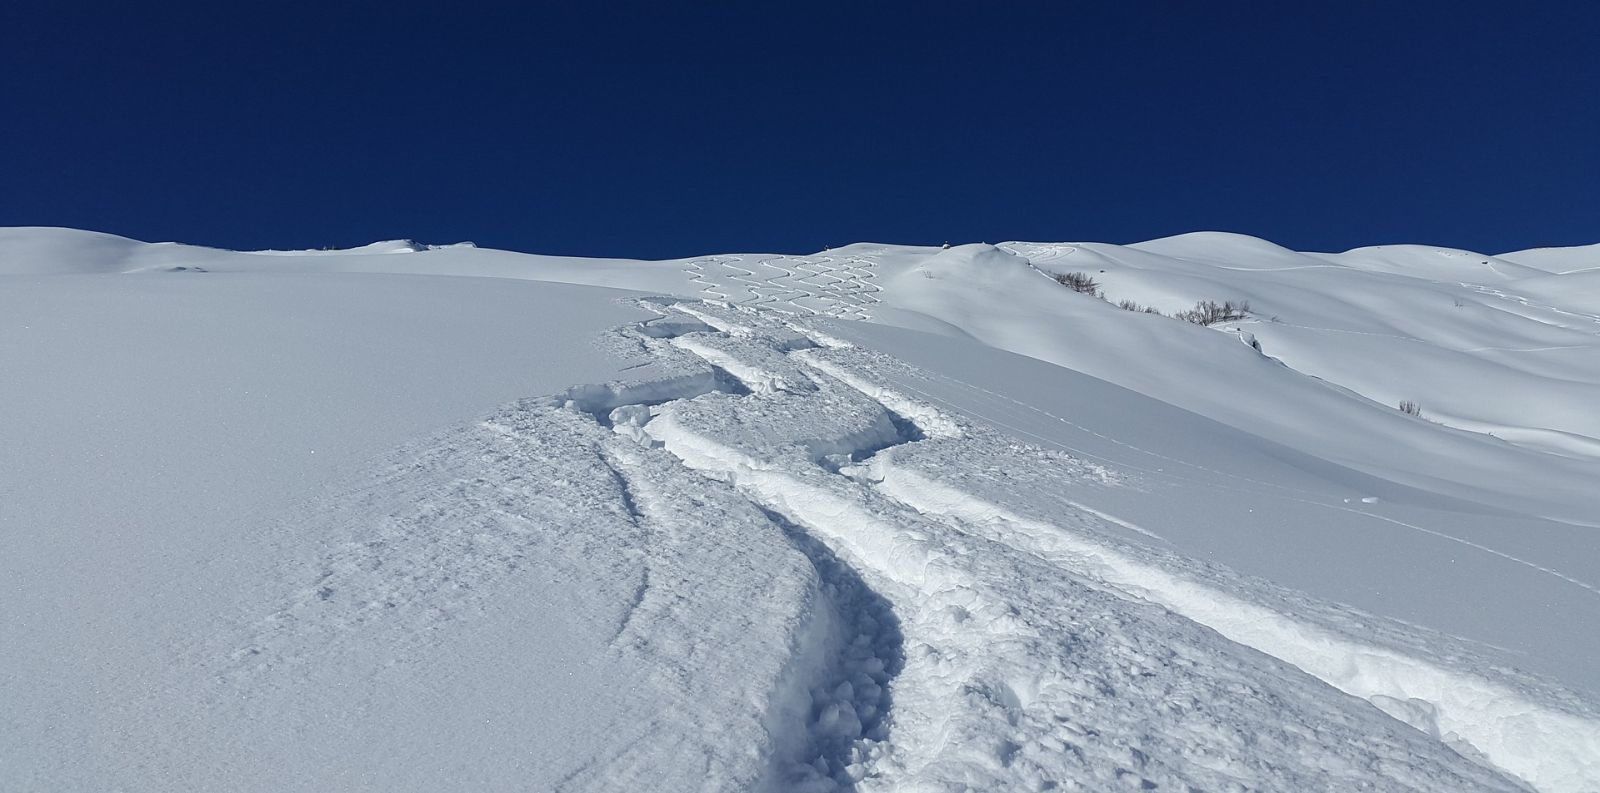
813	438
953	642
1592	319
1276	491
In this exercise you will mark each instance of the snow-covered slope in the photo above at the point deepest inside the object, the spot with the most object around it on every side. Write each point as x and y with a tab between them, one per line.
884	517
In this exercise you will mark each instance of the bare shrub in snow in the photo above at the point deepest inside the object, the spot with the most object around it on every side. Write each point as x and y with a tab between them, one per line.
1210	312
1079	282
1129	305
1410	408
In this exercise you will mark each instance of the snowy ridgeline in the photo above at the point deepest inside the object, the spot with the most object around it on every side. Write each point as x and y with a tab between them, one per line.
998	533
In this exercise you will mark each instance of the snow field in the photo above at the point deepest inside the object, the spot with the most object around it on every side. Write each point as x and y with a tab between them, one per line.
1267	393
164	439
775	556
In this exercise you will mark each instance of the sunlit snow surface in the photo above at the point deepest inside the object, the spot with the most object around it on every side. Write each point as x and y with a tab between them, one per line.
882	517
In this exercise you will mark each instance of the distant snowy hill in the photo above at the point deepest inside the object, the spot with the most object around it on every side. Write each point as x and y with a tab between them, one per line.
416	517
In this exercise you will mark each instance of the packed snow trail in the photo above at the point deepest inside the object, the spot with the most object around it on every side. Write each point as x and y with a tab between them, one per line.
1034	655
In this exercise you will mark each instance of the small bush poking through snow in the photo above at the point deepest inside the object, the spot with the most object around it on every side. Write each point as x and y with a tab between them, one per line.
1208	312
1079	282
1205	312
1410	408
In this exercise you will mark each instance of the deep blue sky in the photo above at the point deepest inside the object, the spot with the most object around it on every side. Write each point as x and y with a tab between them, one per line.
644	130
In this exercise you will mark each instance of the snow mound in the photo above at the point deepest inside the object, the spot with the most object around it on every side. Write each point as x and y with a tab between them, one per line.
386	246
1558	260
